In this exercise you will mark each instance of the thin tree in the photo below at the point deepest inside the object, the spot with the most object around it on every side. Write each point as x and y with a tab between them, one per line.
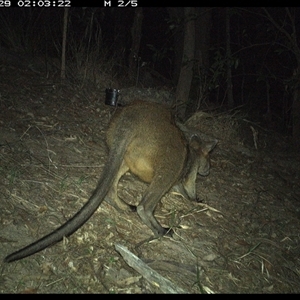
64	43
228	59
136	40
200	84
186	72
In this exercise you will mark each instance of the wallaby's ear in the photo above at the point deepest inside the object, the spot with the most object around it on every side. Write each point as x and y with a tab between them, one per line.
195	142
208	146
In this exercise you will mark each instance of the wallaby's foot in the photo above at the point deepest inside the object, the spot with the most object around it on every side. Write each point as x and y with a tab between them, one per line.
163	232
169	232
148	218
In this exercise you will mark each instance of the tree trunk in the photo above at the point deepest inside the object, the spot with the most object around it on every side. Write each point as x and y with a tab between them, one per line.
186	72
228	59
198	92
176	15
136	39
64	43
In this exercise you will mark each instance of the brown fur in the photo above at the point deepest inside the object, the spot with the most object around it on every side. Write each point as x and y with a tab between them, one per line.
143	139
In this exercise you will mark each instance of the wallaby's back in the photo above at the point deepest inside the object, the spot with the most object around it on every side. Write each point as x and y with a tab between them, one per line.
156	144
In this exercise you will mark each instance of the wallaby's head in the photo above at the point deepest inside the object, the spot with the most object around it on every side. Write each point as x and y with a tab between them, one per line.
199	148
199	163
202	150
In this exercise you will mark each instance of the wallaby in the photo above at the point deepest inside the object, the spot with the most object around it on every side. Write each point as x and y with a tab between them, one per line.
144	139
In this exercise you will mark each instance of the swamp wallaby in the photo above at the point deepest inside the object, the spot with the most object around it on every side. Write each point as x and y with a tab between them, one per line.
142	138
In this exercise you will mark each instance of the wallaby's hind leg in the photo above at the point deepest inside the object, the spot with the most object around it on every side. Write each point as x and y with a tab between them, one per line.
112	196
148	204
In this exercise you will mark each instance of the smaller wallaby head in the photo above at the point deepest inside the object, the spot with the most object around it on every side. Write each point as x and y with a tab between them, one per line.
202	149
198	163
200	146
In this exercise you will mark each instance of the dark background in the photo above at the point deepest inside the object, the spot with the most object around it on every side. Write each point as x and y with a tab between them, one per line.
264	59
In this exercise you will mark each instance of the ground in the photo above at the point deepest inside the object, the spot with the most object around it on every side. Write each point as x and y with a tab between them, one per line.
241	237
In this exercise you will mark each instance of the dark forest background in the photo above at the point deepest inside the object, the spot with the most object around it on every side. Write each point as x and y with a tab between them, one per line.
224	58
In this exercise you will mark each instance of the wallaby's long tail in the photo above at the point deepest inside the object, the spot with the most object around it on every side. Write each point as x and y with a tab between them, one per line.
105	182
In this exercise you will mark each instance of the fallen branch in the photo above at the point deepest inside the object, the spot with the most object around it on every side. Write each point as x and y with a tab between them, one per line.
165	285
